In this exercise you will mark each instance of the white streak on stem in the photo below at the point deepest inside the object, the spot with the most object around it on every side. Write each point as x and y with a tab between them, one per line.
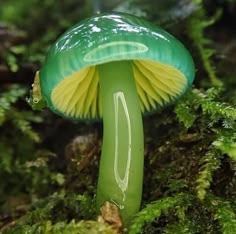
120	102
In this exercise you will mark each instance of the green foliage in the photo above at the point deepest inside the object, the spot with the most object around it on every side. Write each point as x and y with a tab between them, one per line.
223	212
49	215
65	205
210	163
20	127
181	227
9	97
17	142
215	118
46	28
180	209
196	27
204	107
214	111
184	111
226	143
156	209
21	120
213	122
47	227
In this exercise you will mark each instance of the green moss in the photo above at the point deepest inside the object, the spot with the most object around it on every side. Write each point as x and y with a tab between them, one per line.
72	227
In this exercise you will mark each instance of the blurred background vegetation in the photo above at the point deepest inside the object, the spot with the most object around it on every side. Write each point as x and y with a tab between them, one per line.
49	166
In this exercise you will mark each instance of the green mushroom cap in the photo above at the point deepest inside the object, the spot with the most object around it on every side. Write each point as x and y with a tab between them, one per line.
163	69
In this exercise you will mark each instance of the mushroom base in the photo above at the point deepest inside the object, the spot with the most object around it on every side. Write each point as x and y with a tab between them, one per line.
121	165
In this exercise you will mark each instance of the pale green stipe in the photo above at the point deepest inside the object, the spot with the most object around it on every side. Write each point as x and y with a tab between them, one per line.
121	165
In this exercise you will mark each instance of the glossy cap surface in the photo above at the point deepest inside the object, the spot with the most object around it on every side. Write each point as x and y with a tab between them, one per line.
113	37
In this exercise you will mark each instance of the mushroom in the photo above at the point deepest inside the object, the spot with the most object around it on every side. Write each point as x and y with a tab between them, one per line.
115	67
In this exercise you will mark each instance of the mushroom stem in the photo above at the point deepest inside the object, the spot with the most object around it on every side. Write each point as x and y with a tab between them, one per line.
121	165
